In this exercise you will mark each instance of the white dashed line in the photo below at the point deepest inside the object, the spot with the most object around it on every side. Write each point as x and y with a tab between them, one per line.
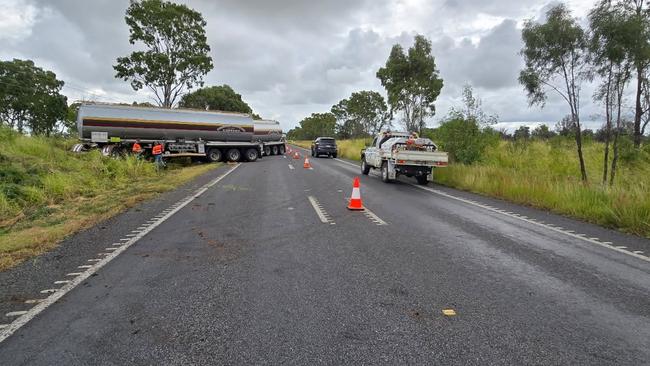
2	326
371	215
74	274
61	282
15	313
84	266
291	167
557	229
34	301
56	294
322	215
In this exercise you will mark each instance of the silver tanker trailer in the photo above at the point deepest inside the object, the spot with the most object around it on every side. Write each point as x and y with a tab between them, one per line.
185	132
270	133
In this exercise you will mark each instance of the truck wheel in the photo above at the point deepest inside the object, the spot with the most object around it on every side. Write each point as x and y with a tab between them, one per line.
213	155
422	180
251	154
384	172
274	150
365	168
335	155
282	150
267	150
233	155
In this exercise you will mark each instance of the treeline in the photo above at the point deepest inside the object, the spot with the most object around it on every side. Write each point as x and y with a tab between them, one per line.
172	59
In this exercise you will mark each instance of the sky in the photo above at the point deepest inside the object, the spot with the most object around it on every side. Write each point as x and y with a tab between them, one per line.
291	58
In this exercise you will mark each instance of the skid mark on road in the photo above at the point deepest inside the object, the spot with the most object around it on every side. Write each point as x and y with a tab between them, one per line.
320	211
571	233
55	294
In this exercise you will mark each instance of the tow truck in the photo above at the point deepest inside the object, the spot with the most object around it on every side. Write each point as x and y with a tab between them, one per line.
403	153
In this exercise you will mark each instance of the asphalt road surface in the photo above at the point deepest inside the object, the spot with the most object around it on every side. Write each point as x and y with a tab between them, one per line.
267	266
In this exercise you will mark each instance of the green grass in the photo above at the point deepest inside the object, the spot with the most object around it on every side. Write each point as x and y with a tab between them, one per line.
48	193
545	174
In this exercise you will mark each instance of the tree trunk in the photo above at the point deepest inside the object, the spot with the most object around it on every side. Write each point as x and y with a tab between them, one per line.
638	111
608	121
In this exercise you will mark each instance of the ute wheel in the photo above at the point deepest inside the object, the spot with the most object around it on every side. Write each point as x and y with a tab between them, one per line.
334	155
365	168
267	150
233	155
274	150
422	180
282	150
251	154
384	173
213	155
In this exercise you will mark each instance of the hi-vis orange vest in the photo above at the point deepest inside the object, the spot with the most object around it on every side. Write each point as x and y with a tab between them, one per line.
157	150
137	148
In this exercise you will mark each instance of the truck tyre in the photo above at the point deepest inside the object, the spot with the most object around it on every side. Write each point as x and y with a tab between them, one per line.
274	150
267	150
384	172
422	180
365	168
251	154
233	155
282	150
335	155
213	155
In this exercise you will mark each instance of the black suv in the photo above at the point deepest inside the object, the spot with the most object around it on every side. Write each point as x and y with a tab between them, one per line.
324	146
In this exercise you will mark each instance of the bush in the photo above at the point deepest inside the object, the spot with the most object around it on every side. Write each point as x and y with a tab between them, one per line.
463	139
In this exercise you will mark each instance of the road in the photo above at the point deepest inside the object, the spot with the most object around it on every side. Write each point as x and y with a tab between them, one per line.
267	266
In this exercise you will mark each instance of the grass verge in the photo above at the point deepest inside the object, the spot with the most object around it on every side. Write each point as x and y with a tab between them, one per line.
48	193
544	174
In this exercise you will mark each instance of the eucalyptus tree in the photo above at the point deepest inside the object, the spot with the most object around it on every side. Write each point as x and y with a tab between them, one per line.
176	53
555	54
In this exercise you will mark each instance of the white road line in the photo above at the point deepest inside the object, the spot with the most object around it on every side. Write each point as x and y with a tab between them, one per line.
49	291
319	210
61	282
509	214
84	266
373	217
15	313
2	326
58	293
291	167
111	248
638	252
74	274
94	260
34	301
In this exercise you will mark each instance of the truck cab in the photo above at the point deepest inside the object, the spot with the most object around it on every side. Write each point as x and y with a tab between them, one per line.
402	153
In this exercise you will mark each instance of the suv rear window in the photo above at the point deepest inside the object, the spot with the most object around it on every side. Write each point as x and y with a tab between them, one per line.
328	141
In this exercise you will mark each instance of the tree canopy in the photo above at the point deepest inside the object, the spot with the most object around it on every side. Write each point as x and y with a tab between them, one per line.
316	125
412	82
30	99
216	98
175	58
363	114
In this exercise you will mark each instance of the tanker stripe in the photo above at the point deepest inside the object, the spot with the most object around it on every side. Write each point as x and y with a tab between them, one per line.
115	119
162	125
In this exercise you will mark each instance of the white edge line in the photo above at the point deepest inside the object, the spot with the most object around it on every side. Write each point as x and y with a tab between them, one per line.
54	297
556	229
318	210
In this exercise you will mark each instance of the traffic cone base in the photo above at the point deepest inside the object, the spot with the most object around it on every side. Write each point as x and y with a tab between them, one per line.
306	165
296	155
355	203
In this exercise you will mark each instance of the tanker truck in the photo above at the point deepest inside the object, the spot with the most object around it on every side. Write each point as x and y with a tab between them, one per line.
210	135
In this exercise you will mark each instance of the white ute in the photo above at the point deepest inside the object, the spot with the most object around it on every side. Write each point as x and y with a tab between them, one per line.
401	153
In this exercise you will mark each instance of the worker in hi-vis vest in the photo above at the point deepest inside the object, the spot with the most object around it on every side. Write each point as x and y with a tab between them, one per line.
157	152
137	149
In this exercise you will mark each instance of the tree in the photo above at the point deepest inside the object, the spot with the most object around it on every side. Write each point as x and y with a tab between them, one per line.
364	113
556	51
316	125
412	83
542	132
472	108
29	97
463	139
216	98
176	56
610	38
522	133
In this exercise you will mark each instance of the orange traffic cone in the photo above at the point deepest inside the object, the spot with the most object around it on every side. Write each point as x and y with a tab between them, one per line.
306	165
296	155
355	199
